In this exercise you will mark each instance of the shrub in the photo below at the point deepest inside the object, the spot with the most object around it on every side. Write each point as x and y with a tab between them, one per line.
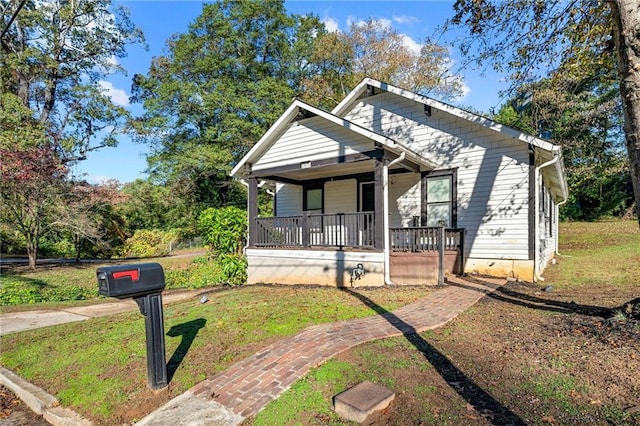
18	292
224	229
225	232
200	273
15	290
234	269
148	243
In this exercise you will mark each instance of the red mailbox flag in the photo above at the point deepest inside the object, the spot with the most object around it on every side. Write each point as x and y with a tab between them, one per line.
134	274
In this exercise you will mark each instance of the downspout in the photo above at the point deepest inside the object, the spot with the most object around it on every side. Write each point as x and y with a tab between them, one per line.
536	240
385	214
557	251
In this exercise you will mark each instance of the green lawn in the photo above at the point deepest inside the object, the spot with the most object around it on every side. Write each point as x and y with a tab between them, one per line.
98	367
520	356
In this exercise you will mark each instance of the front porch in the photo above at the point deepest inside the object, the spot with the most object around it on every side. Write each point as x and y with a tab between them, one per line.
328	249
344	199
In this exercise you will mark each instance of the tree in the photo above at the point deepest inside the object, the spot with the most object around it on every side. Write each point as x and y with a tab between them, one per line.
585	117
86	213
54	57
218	89
373	49
529	37
32	182
55	108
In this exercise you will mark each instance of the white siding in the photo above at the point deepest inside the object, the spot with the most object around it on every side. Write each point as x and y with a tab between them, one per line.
288	199
340	196
404	199
312	139
493	170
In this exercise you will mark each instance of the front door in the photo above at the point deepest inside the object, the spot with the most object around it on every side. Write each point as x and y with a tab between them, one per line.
368	204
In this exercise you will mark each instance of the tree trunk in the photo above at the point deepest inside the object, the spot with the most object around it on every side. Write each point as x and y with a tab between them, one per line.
77	241
32	251
626	26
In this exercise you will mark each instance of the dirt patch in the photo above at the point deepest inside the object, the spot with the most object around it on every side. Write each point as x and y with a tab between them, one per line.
520	356
13	412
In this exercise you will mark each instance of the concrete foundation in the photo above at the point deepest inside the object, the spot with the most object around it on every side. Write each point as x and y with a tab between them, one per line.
519	269
318	267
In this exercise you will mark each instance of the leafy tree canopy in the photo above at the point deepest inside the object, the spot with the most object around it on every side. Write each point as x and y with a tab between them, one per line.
55	55
230	76
371	48
586	39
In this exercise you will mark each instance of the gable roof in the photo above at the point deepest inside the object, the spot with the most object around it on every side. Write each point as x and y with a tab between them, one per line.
347	103
299	107
546	149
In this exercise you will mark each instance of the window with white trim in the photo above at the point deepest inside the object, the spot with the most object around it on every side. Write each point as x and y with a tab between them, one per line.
439	199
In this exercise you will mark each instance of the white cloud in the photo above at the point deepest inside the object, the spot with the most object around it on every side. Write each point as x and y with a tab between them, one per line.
97	179
118	96
465	91
404	19
331	25
411	44
113	61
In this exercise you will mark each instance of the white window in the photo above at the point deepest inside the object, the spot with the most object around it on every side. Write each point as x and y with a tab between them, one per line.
313	200
439	201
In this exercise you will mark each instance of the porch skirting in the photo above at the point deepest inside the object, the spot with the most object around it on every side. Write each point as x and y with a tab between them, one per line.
421	268
318	267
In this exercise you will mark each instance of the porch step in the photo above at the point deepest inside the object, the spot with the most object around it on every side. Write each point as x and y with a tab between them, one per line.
360	401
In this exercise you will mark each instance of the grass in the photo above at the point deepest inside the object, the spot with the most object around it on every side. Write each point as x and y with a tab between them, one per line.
53	286
98	366
584	246
552	391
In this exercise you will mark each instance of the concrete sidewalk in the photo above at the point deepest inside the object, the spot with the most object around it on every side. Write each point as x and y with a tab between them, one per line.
29	320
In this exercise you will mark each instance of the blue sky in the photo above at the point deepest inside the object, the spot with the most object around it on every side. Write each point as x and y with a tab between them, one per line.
158	20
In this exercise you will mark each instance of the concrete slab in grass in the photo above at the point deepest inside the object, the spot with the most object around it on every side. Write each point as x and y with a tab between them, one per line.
363	399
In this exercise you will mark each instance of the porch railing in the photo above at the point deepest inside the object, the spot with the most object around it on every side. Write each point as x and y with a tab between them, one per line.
319	230
425	239
347	230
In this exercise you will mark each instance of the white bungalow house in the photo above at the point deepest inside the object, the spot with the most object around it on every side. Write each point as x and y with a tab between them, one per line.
361	193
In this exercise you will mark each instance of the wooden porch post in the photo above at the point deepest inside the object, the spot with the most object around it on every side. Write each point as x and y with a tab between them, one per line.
252	207
305	229
441	244
379	204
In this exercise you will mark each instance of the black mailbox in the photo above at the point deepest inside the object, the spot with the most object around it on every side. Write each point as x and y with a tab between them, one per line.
143	282
133	280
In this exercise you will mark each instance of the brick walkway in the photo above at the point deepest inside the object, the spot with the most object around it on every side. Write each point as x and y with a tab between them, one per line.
249	385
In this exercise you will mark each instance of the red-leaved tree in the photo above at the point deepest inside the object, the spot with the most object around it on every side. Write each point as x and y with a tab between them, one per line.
31	184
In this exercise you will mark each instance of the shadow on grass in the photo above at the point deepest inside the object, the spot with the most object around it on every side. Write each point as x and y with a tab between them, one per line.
489	407
188	331
508	295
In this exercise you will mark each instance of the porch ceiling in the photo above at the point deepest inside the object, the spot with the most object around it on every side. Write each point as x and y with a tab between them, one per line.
327	171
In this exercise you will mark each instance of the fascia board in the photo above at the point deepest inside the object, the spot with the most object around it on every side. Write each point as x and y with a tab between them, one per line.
268	138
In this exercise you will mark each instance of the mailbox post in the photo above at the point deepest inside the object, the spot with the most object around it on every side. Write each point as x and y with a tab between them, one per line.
144	283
